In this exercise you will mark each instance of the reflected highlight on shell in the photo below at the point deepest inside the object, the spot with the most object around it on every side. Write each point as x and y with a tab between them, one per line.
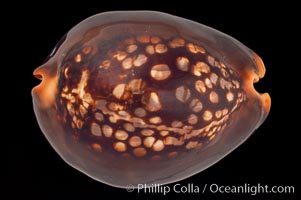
140	97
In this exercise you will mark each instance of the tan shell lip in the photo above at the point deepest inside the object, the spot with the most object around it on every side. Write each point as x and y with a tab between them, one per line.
40	74
254	76
37	74
46	90
260	67
266	103
265	97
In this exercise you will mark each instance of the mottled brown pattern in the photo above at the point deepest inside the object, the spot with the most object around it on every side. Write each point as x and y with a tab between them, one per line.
142	92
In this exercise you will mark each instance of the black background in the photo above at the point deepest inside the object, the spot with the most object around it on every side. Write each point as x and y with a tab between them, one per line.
270	156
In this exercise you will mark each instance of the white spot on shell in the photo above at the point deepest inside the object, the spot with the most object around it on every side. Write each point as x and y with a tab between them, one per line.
155	120
129	127
195	48
123	113
107	130
199	68
95	129
218	114
127	63
213	78
169	140
131	48
119	90
120	146
147	132
99	116
155	40
164	133
192	119
211	60
160	72
182	63
200	86
121	135
140	60
150	49
195	105
230	96
208	83
175	43
160	48
213	97
158	145
153	103
78	58
135	141
222	83
207	115
149	141
182	94
140	112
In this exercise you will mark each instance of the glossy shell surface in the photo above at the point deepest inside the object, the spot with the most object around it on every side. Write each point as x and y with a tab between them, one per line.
140	97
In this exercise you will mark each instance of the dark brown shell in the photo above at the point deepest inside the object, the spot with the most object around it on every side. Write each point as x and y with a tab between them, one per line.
146	97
